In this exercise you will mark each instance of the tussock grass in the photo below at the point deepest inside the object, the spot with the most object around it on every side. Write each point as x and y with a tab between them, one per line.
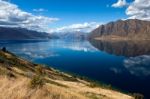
36	82
19	89
95	96
20	79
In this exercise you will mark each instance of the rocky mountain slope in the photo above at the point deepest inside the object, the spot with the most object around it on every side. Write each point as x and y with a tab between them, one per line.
123	29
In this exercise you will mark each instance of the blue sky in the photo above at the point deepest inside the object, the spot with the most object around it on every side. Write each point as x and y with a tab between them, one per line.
74	11
69	15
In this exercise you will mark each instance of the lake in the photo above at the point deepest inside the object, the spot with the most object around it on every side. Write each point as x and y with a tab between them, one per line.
124	65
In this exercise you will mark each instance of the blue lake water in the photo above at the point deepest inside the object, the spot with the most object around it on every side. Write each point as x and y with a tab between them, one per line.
124	65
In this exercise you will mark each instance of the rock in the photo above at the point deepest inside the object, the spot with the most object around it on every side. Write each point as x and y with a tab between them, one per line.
129	29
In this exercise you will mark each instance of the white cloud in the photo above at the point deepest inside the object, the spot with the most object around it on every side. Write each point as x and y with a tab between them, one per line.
7	0
139	9
82	27
12	16
119	4
39	10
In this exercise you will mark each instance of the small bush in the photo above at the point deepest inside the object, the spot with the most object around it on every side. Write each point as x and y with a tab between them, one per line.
138	96
10	75
36	82
7	73
92	85
4	49
1	60
39	70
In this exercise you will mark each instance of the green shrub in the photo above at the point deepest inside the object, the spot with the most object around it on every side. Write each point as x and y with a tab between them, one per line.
36	82
39	70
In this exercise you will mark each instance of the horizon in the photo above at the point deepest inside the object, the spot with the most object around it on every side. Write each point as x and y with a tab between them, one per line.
65	15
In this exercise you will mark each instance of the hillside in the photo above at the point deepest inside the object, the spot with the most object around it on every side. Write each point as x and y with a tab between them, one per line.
21	33
123	29
20	79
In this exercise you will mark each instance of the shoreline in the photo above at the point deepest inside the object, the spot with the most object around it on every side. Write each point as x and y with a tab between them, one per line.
117	38
48	77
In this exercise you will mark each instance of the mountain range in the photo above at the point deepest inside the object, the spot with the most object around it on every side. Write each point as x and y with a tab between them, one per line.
123	29
7	33
71	35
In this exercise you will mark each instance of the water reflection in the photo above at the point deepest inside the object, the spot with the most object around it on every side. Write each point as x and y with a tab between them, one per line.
124	65
123	48
137	54
139	66
44	49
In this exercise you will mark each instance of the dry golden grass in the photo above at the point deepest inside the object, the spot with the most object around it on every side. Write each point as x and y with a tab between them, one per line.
19	89
97	91
15	83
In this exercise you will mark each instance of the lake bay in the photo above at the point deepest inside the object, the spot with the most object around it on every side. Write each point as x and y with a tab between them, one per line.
124	65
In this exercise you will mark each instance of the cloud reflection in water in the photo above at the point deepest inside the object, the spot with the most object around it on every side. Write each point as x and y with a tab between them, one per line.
139	66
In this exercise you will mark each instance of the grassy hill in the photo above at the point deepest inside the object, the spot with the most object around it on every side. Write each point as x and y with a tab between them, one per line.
21	79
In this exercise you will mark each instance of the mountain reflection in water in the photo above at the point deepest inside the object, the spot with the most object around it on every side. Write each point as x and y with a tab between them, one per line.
123	48
137	54
136	61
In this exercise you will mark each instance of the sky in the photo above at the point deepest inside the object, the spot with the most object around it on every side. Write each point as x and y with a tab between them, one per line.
69	15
